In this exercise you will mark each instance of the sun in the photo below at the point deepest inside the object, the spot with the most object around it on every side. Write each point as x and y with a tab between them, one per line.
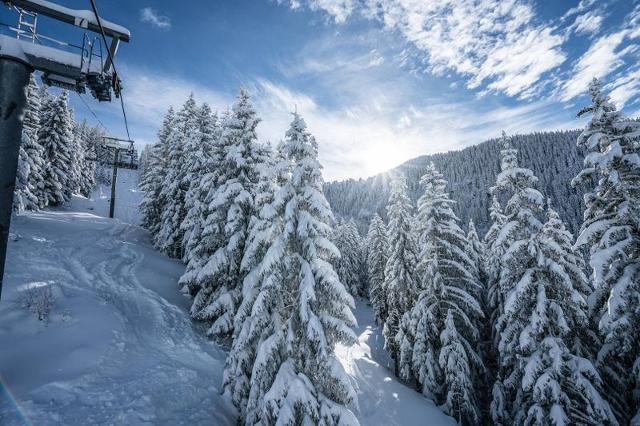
380	157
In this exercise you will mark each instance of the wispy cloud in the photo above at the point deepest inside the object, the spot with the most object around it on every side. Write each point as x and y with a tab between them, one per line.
625	87
581	7
588	23
339	10
154	18
490	42
603	57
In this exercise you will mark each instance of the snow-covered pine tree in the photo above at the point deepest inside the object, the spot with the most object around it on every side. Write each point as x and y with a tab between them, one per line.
521	224
151	180
350	263
55	136
460	399
210	238
400	275
30	180
200	241
86	158
302	310
181	142
220	280
492	259
432	345
377	255
611	231
492	298
476	250
239	365
543	314
23	197
77	156
585	340
198	164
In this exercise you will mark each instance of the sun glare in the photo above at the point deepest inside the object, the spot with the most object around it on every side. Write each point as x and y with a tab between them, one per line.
380	158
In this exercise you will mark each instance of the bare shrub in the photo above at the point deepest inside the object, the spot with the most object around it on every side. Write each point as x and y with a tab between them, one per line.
38	299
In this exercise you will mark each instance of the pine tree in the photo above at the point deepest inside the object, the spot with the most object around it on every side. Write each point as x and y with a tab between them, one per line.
151	180
198	165
23	196
30	180
86	140
350	263
432	347
543	315
492	298
520	225
611	231
210	238
377	255
55	135
400	278
232	207
301	310
476	251
460	401
181	142
77	157
199	234
584	340
237	375
539	379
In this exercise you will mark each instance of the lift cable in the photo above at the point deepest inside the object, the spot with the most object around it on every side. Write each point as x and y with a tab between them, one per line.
113	64
91	111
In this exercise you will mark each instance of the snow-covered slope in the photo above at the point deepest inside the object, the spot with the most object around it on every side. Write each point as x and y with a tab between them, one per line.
119	347
128	197
382	399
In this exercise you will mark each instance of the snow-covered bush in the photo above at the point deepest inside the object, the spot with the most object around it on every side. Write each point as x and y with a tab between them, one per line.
38	299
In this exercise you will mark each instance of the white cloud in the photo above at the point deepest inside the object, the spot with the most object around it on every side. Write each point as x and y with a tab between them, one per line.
149	95
581	7
588	23
367	137
491	42
153	17
339	10
625	88
603	57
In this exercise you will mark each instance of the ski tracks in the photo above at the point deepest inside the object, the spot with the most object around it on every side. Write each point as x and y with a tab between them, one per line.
158	368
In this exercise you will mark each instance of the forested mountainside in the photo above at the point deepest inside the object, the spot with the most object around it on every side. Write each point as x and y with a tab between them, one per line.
553	157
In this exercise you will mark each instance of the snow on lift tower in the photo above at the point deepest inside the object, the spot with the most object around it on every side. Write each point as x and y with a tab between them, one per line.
26	51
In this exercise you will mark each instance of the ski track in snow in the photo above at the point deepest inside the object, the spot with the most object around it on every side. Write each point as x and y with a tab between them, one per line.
156	365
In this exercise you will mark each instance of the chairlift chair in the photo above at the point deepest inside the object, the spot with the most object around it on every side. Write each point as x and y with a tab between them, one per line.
64	69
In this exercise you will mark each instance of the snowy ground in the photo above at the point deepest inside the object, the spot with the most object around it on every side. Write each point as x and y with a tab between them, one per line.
119	346
128	197
382	399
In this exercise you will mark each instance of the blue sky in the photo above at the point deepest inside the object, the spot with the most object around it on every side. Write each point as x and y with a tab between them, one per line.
378	81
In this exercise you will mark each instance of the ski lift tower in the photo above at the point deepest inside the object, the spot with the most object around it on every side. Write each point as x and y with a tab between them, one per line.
28	51
117	146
